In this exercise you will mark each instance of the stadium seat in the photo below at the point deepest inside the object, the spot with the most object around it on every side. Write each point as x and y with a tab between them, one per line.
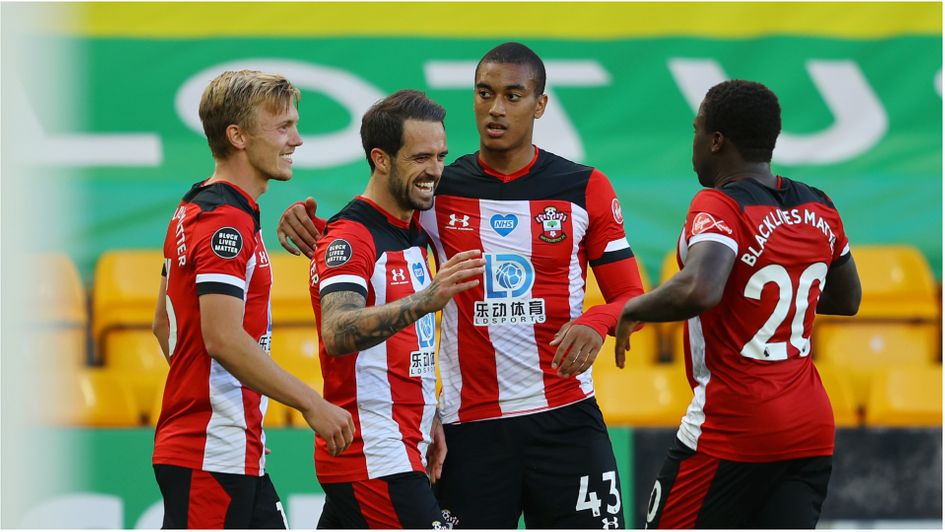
644	344
135	356
59	328
897	283
653	396
671	333
905	396
291	302
296	350
840	390
90	397
125	291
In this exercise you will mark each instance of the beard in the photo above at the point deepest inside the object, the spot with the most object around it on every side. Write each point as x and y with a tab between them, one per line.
400	190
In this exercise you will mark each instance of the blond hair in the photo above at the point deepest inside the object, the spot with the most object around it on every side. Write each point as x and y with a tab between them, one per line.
233	97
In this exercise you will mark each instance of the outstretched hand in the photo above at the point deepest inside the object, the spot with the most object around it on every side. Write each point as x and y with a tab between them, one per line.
456	275
297	233
578	346
625	327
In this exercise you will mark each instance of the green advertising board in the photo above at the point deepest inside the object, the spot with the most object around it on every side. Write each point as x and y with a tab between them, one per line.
862	105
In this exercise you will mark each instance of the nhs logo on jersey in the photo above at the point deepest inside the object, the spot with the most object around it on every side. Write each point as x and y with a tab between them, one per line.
503	223
419	272
509	279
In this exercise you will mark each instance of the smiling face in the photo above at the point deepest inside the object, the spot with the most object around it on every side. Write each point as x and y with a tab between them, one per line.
417	167
506	106
271	140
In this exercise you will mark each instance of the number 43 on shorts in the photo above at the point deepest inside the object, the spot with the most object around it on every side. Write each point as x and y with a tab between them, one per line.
588	500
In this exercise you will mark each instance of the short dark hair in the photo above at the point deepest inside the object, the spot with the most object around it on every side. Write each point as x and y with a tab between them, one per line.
746	112
514	53
383	124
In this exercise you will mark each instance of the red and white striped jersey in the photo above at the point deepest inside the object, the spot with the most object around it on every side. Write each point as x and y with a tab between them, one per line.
389	389
757	395
209	420
538	230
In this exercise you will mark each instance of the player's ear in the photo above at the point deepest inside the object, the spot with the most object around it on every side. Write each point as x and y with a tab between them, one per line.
381	160
237	136
718	140
540	107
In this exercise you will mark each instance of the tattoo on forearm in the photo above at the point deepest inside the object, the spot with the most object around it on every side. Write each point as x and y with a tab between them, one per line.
354	327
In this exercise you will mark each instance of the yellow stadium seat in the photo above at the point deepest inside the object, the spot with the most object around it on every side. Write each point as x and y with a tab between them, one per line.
135	355
296	350
897	283
91	397
840	390
125	290
654	396
291	302
862	347
59	295
906	396
644	343
277	415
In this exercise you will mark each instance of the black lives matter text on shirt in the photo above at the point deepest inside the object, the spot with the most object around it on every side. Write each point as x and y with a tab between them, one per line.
226	243
338	253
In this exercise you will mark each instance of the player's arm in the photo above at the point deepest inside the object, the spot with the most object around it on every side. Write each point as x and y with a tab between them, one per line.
842	292
348	325
698	287
221	324
299	229
161	325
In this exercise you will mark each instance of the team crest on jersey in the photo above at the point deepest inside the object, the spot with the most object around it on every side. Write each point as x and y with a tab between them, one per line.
705	221
338	253
552	225
504	223
226	243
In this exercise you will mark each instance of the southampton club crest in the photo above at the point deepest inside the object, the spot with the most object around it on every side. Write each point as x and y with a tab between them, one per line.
552	225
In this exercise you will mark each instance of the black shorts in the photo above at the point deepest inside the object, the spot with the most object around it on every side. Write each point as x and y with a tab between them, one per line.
200	499
694	490
404	500
557	467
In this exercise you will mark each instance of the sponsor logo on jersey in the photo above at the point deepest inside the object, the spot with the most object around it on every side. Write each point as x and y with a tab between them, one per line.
504	223
423	361
265	342
419	271
552	225
226	243
508	280
338	253
397	276
458	221
617	211
705	221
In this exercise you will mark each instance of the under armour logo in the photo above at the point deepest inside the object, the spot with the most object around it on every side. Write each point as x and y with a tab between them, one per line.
455	220
609	523
397	275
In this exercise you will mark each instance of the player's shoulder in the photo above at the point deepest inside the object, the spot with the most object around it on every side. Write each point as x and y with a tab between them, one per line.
550	163
223	200
789	194
465	165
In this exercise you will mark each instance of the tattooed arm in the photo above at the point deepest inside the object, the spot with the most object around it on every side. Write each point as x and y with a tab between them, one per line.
349	326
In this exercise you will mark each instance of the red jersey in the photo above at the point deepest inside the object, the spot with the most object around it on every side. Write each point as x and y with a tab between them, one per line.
209	420
390	388
538	230
757	396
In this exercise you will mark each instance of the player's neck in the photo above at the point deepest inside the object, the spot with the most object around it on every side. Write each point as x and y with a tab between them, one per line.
243	175
384	200
760	172
507	162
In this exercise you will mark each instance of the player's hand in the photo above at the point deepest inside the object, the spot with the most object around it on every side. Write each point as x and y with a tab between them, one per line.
436	452
296	225
625	327
578	346
332	423
459	273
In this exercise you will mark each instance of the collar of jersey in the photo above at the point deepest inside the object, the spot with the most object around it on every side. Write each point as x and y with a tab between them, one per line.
252	202
391	219
509	177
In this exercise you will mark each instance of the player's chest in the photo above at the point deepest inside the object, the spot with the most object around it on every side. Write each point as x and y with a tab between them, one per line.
399	273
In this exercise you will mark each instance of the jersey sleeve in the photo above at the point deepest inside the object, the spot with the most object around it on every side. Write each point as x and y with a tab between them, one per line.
344	259
841	246
609	254
224	245
713	217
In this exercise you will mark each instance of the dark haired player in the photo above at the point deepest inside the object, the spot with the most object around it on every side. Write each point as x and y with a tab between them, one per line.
525	433
759	254
374	299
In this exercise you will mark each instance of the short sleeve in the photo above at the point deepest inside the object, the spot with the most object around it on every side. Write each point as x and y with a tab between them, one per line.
714	217
344	259
606	240
223	252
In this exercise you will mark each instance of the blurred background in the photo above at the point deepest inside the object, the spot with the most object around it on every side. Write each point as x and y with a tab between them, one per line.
100	139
